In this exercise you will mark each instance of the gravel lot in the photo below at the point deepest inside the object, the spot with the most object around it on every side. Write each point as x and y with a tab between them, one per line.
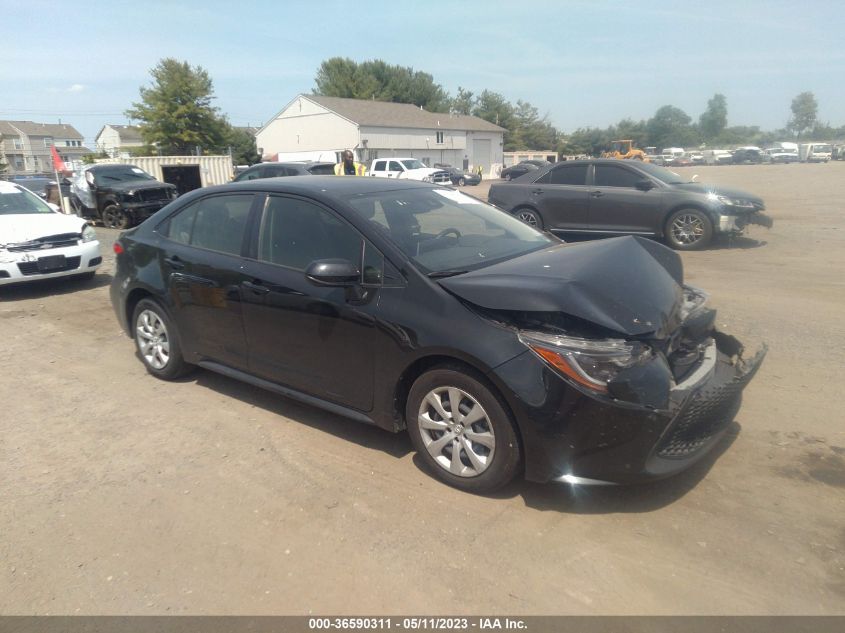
124	494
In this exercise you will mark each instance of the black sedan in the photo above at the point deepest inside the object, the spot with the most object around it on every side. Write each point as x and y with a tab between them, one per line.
610	196
460	177
277	170
410	306
522	168
749	156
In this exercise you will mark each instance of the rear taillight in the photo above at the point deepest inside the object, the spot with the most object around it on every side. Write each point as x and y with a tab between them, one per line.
117	248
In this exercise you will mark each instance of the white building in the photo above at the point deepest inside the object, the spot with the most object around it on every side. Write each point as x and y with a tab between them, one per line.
318	128
115	140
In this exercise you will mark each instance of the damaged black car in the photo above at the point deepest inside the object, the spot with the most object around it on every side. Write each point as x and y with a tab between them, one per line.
118	196
501	350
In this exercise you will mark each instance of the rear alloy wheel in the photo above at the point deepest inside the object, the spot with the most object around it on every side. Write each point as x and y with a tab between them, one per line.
461	431
116	218
461	182
157	341
507	176
688	230
530	217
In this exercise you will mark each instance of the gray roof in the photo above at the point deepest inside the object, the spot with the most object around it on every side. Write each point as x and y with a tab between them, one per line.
29	128
127	133
387	114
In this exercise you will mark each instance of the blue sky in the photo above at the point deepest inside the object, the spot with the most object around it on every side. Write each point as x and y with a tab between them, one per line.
583	63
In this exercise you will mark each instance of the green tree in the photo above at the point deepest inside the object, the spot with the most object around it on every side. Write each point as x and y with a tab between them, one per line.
670	126
715	118
493	107
463	102
242	144
176	111
376	79
804	112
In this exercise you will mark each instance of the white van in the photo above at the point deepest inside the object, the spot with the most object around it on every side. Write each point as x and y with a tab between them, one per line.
717	157
410	168
815	152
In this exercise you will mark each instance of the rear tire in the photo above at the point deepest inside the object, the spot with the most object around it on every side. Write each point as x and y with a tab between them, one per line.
476	450
461	182
688	230
157	341
530	217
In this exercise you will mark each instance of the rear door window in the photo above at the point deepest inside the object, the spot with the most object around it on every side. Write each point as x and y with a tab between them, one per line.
569	175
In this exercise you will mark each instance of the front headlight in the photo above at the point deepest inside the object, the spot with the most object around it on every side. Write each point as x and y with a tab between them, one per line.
88	233
426	178
731	202
591	363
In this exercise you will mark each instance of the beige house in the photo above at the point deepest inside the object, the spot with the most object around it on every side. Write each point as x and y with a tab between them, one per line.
312	127
25	146
115	140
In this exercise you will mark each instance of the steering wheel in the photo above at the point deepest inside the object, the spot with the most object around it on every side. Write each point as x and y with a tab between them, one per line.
446	232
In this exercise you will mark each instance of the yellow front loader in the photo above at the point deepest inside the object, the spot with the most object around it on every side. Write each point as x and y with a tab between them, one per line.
624	149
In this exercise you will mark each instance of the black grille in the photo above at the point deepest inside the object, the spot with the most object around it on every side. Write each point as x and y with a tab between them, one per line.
31	268
153	195
51	241
441	177
708	412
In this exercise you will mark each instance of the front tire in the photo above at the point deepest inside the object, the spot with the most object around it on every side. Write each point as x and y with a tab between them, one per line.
461	182
116	218
157	341
462	431
688	230
530	217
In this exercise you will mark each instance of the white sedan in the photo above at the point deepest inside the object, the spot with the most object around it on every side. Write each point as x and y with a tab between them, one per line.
38	242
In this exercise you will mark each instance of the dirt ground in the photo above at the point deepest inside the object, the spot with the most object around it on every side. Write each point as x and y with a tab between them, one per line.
122	494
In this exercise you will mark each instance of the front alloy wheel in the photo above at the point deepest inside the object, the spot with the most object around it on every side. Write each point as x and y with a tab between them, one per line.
688	229
461	430
456	431
115	218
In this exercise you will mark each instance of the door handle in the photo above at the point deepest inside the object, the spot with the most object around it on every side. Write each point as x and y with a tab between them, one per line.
256	287
537	192
596	194
174	262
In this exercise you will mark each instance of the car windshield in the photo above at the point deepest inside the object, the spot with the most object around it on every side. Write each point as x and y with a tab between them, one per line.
661	173
413	163
18	201
445	231
120	173
822	148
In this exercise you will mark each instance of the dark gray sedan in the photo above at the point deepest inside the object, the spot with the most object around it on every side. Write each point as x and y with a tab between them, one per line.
611	196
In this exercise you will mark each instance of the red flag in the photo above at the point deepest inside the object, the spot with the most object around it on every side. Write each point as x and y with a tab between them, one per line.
58	163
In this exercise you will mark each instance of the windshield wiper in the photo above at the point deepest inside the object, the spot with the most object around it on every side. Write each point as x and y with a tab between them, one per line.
440	274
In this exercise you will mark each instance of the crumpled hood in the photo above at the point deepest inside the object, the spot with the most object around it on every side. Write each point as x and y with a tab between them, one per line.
24	227
627	284
135	185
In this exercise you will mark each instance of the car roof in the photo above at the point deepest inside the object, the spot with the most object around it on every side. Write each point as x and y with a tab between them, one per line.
331	186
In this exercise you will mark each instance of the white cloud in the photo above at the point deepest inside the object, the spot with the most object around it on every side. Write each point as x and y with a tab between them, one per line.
76	88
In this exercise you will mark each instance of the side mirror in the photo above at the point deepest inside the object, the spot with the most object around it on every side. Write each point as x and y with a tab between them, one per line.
645	184
333	272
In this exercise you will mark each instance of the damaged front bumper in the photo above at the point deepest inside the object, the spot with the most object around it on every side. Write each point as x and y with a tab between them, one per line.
578	437
736	224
